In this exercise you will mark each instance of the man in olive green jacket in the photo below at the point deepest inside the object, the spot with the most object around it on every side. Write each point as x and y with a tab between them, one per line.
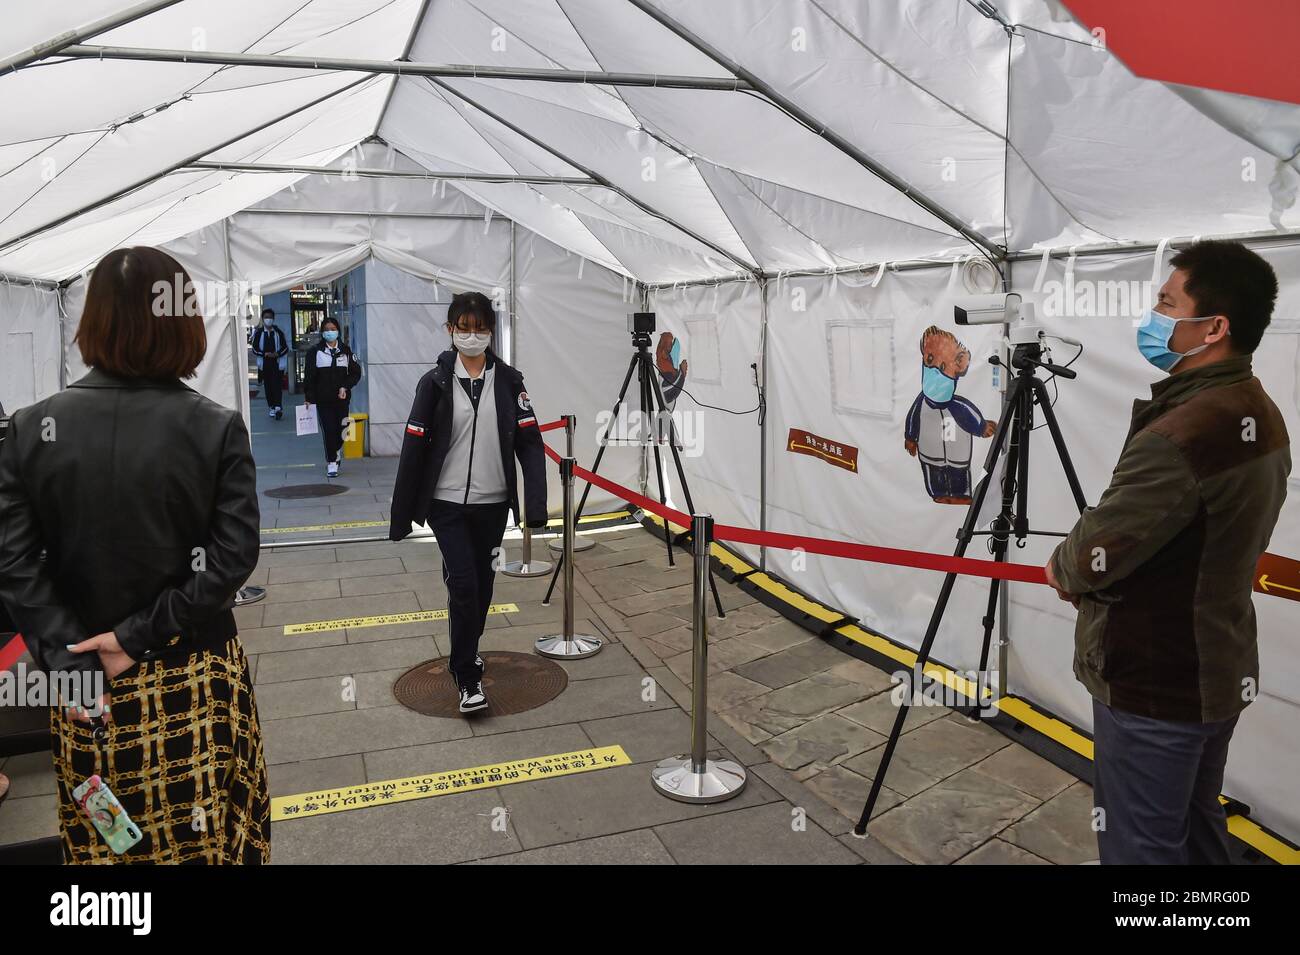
1162	569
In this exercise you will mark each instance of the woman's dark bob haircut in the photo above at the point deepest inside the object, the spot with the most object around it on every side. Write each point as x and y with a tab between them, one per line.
471	310
143	317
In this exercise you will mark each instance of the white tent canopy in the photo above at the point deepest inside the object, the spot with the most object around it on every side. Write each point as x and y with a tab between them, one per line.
798	185
854	133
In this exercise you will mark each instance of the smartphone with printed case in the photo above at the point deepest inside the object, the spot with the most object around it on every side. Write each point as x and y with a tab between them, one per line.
106	814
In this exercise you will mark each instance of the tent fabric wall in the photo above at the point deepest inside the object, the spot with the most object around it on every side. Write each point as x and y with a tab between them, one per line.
719	327
572	346
404	319
29	343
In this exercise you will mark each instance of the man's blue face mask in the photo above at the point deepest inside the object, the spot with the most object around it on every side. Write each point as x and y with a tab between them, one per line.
937	386
1153	334
675	353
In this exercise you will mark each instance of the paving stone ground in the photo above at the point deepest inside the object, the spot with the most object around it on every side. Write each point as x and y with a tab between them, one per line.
807	720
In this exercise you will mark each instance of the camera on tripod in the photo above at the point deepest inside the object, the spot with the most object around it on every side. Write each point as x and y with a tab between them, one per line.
640	325
1025	335
1001	308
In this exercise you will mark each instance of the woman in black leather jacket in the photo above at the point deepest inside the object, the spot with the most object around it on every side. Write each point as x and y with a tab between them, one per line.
128	521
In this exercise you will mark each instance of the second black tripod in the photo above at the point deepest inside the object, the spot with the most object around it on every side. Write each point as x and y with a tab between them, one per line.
1014	426
654	410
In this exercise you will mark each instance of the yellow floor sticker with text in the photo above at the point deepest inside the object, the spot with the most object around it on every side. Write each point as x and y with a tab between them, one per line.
440	784
383	620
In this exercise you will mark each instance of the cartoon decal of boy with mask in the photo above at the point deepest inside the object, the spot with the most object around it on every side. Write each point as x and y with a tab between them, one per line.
940	423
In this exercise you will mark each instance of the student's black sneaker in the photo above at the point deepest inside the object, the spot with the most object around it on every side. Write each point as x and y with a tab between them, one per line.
472	699
279	413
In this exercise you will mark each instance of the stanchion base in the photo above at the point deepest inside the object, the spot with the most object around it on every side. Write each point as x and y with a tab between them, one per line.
576	647
721	779
249	595
556	545
534	568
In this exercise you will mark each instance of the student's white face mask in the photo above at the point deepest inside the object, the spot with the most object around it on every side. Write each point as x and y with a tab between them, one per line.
471	343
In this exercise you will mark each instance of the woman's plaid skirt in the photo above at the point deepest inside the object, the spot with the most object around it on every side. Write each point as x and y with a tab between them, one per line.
183	754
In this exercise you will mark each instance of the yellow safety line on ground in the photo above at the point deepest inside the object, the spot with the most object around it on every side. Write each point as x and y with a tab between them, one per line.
1244	828
390	791
588	518
323	527
281	467
383	620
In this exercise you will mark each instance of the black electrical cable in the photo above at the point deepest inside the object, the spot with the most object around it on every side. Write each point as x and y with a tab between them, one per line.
1056	389
716	408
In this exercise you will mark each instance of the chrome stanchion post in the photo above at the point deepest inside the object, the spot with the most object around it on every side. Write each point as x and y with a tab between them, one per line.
568	645
249	595
695	777
579	543
526	566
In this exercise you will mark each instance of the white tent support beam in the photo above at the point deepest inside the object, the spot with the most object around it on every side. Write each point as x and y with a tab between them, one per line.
995	253
256	167
1258	239
59	43
189	160
749	267
1117	248
401	68
9	279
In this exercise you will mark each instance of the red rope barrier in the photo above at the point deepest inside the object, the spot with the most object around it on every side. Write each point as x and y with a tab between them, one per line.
11	651
969	566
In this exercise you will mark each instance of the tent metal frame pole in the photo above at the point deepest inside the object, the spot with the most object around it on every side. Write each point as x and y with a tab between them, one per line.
405	57
815	125
459	216
58	44
11	279
189	160
401	68
1119	248
600	180
514	328
762	422
63	338
236	366
291	169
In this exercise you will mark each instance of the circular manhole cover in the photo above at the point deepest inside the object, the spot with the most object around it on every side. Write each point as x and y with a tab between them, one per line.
513	682
291	491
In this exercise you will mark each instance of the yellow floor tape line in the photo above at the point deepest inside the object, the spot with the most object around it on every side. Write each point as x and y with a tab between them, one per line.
323	527
391	791
383	620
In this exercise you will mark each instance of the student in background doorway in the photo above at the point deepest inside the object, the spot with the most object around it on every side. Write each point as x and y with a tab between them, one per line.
271	346
332	372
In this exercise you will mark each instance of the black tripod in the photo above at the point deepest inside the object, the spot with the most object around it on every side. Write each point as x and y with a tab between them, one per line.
652	397
1017	420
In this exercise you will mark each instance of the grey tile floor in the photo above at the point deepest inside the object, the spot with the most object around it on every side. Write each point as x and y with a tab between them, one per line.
805	719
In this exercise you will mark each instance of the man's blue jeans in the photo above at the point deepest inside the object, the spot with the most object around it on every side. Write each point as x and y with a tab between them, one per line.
1158	783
